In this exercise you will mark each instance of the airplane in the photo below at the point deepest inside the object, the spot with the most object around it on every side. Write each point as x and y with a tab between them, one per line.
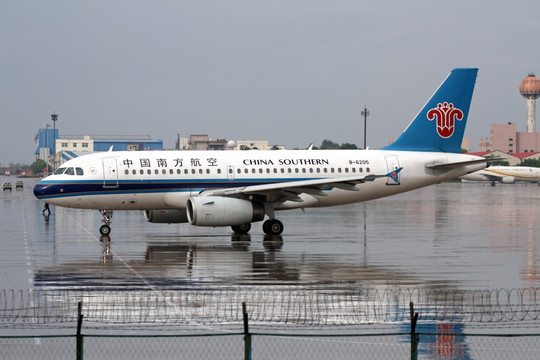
505	174
237	188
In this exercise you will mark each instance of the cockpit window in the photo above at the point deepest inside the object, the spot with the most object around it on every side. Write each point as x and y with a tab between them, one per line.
69	171
59	171
79	171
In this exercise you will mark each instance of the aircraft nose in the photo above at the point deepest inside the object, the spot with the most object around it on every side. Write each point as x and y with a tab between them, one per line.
40	190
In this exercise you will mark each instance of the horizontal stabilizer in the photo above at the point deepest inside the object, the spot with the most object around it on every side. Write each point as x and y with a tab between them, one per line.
454	165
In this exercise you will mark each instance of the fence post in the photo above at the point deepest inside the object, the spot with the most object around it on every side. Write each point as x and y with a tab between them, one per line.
80	353
247	335
414	335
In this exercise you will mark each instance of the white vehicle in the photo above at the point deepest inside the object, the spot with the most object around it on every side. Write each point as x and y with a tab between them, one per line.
505	174
237	188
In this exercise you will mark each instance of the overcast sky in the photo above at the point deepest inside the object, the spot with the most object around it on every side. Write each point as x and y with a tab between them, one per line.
291	72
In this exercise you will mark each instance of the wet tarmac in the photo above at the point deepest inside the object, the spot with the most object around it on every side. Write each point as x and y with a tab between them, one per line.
465	236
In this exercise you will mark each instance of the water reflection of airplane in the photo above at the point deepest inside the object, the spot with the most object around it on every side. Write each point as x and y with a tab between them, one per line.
442	342
179	265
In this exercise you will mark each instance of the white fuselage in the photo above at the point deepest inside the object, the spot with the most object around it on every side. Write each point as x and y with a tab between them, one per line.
505	174
143	180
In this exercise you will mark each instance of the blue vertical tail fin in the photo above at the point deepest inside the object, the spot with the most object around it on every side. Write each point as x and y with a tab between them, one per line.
440	125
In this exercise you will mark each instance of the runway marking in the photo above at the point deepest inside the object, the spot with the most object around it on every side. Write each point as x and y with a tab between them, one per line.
27	244
138	274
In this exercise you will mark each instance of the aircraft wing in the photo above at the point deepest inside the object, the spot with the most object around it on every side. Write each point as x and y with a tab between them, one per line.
290	190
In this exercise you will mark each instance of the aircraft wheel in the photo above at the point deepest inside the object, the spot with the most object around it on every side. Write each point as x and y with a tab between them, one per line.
105	230
273	227
241	229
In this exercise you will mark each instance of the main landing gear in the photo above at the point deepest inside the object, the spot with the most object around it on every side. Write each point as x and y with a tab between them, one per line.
107	218
270	227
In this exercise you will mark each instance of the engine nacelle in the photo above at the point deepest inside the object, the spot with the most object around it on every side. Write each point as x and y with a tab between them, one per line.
508	180
223	211
166	216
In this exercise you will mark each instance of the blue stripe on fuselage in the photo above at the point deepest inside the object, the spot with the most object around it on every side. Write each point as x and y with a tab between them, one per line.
51	189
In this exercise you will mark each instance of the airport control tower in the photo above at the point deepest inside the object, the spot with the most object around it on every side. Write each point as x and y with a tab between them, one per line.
530	90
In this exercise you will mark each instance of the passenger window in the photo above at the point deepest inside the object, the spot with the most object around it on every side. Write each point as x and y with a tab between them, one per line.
219	171
134	172
156	171
126	172
171	171
149	172
141	172
367	170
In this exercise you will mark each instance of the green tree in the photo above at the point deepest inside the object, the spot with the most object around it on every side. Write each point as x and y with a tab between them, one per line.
38	166
348	146
530	162
327	145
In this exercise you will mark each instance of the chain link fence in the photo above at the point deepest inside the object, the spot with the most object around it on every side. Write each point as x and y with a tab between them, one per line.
273	346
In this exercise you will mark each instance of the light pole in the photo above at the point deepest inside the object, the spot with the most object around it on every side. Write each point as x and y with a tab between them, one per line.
365	114
54	117
47	152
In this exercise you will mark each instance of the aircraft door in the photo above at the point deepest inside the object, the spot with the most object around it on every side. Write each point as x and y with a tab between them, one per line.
392	164
110	173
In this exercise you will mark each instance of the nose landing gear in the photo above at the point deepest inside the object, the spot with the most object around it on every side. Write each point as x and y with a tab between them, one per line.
107	219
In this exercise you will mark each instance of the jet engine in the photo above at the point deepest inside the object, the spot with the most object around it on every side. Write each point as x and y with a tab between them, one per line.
223	211
508	180
166	216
